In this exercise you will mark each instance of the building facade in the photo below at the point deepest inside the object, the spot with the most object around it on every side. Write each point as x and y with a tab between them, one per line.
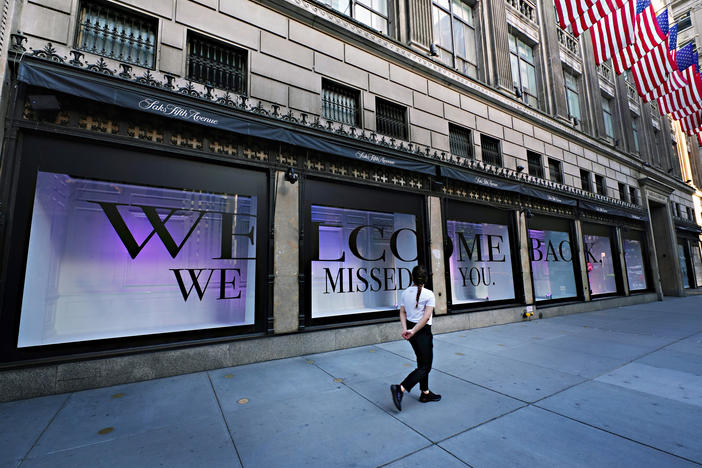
196	184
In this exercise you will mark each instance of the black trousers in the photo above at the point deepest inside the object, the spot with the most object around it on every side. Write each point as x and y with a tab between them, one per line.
423	346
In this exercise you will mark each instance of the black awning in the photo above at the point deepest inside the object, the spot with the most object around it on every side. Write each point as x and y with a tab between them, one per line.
693	229
131	96
490	182
612	211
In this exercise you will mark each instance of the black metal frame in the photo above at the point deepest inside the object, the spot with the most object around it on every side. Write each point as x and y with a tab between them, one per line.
456	210
536	169
456	135
337	97
391	119
495	156
627	233
216	63
555	163
114	162
318	191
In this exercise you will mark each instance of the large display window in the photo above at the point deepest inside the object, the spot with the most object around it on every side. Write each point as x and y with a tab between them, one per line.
684	259
696	247
553	265
634	259
601	262
360	248
479	255
120	244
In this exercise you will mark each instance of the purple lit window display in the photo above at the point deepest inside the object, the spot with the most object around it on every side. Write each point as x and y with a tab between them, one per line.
600	264
633	257
480	264
551	265
111	260
364	260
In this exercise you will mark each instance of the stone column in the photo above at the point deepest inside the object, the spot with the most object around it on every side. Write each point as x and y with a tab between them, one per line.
554	93
286	255
591	82
420	24
524	258
619	244
436	245
495	21
581	259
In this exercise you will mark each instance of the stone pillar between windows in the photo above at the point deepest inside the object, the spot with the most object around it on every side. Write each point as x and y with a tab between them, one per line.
286	255
524	258
581	260
419	24
619	244
592	87
436	247
499	72
554	89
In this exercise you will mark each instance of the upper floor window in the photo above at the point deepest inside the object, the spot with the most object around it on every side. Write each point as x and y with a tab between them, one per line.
684	21
585	180
688	210
340	103
635	132
373	13
491	150
600	185
623	196
634	195
607	116
390	119
460	142
117	33
216	64
572	96
536	168
454	34
521	57
555	170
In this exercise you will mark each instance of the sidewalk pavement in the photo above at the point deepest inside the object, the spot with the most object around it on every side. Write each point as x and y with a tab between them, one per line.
618	387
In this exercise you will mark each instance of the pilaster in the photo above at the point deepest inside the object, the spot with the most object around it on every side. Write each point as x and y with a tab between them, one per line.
286	248
495	21
436	246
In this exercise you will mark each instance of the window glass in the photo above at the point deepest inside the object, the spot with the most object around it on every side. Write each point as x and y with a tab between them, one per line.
682	257
572	95
599	264
607	116
697	262
551	265
110	260
363	262
635	133
480	263
633	258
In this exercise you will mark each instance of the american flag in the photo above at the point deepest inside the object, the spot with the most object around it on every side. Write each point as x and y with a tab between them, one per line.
649	34
696	61
676	80
692	123
699	139
684	57
652	69
599	10
673	37
613	32
684	101
569	10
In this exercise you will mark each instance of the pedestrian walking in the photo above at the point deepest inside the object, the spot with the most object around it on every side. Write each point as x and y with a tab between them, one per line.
416	310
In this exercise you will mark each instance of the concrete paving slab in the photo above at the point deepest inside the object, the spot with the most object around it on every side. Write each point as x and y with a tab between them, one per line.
675	360
330	428
366	362
533	437
265	382
648	342
21	423
652	420
521	380
569	362
128	410
463	405
597	347
667	383
429	457
692	345
195	442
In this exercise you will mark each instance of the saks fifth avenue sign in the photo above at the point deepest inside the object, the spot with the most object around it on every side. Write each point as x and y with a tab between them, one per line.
173	110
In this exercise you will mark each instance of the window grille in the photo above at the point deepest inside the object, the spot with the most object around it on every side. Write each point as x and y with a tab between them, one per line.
623	196
216	64
340	103
460	142
585	180
390	119
117	34
535	167
634	196
600	185
491	150
555	170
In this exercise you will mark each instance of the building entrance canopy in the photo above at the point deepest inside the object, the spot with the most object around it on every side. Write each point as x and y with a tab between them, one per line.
166	105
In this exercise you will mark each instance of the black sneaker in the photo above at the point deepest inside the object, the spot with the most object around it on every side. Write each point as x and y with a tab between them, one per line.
396	396
427	397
